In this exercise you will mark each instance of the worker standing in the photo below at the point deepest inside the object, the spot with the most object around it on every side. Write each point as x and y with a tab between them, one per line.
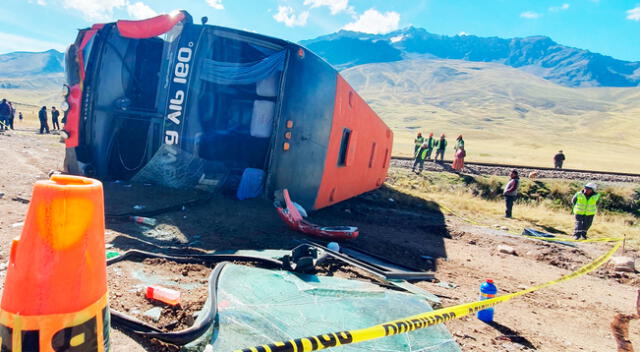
430	142
441	145
585	207
12	115
459	143
511	193
42	116
54	118
421	154
417	144
5	113
558	160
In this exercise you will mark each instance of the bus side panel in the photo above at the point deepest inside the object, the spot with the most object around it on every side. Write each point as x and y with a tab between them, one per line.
307	106
359	149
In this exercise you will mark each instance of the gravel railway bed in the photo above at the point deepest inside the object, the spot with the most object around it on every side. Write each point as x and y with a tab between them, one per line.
504	170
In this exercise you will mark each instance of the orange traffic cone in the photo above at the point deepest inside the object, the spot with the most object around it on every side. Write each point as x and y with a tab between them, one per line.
55	293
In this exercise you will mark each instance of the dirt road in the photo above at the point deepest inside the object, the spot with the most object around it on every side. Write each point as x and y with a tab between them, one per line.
573	316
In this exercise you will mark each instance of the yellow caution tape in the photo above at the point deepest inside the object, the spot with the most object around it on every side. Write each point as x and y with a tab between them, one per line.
419	321
558	239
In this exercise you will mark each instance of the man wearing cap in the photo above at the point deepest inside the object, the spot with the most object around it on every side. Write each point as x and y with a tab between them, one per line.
558	159
585	206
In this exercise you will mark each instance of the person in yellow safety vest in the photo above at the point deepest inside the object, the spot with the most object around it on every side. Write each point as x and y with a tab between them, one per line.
418	143
420	156
585	207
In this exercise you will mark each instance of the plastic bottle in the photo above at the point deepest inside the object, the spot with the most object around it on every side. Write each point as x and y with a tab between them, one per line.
143	220
163	294
487	291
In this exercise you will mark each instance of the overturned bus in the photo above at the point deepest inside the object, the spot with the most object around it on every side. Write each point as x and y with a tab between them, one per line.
171	102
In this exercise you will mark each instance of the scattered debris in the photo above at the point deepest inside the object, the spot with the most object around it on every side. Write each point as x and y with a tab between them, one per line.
18	224
503	248
334	246
163	294
144	220
112	254
19	199
445	284
290	214
626	264
154	313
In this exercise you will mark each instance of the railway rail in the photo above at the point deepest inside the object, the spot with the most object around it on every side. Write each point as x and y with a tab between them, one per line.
541	172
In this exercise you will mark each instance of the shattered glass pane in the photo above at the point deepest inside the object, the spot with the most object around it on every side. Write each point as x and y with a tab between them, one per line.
258	306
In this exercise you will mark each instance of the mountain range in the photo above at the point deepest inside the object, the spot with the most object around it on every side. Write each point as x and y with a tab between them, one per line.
32	78
538	55
515	100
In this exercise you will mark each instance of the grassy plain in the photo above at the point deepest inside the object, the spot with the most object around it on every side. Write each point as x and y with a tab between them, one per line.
542	204
506	115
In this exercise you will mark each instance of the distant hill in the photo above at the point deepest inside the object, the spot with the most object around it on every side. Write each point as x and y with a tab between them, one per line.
538	55
506	115
32	77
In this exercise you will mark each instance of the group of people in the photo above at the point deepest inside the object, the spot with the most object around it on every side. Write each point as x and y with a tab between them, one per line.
42	116
423	147
584	202
7	115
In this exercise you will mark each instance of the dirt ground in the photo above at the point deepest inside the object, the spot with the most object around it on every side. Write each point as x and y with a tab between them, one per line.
572	316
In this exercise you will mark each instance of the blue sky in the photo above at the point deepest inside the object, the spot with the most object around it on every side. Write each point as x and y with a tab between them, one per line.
611	27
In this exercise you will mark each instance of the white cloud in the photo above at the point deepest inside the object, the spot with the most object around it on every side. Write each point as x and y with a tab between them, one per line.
103	10
530	15
12	42
335	6
216	4
634	14
374	22
99	10
288	16
562	7
140	10
463	34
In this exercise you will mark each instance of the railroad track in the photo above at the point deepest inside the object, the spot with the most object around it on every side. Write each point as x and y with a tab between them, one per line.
543	172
